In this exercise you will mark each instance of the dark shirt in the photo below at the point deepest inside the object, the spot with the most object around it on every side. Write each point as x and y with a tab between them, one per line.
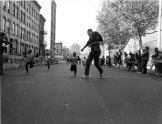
145	56
95	37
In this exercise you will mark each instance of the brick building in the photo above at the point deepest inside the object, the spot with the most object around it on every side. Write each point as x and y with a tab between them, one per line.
20	22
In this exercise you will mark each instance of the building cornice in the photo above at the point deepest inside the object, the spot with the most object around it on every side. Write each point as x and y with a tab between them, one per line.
37	4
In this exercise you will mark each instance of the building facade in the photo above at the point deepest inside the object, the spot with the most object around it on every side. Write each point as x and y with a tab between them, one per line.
41	35
66	52
53	28
20	22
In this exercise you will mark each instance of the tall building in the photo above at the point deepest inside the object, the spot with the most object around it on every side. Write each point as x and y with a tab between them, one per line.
20	22
53	27
41	35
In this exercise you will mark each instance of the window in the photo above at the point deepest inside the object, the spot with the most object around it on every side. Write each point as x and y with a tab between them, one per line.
24	18
13	28
21	16
29	36
3	4
34	13
29	22
7	6
21	2
20	32
24	34
3	23
14	10
8	25
17	12
16	29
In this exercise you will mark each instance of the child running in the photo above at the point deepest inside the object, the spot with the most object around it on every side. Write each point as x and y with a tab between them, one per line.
74	62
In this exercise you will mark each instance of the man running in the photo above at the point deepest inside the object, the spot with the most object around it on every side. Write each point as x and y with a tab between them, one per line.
94	42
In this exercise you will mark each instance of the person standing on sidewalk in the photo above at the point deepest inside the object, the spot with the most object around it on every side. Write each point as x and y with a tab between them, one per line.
94	42
145	59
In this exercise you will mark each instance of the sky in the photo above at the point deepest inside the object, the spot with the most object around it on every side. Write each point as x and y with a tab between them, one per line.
73	18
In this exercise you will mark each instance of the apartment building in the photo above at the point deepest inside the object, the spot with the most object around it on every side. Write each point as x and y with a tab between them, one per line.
20	22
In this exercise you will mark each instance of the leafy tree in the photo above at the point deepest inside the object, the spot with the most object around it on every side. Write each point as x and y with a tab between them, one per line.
128	18
75	48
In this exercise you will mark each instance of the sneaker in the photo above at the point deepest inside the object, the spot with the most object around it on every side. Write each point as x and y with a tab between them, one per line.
85	77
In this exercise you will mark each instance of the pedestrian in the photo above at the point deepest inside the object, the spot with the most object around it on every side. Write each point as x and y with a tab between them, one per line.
74	61
103	61
47	61
131	61
145	58
139	61
84	61
115	60
79	59
120	58
107	60
67	59
126	61
94	43
28	60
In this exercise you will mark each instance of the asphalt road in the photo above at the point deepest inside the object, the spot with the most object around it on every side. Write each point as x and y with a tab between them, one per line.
55	96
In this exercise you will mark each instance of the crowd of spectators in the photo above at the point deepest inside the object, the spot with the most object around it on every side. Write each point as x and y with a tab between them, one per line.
137	61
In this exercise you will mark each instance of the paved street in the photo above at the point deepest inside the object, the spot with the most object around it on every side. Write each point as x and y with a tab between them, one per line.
55	96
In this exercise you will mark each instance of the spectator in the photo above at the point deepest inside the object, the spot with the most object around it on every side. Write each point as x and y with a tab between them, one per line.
115	60
126	60
108	61
145	58
139	61
158	66
102	61
119	60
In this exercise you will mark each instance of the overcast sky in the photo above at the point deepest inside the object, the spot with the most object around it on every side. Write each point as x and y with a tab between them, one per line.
73	19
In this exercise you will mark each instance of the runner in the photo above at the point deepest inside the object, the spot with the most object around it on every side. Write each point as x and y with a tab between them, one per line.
28	60
84	61
74	61
47	61
94	42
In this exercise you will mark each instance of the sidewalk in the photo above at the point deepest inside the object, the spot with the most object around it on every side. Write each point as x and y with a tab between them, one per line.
7	66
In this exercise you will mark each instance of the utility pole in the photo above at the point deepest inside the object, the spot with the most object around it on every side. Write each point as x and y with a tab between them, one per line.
159	28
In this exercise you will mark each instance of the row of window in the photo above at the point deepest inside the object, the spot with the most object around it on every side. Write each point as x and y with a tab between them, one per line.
30	9
21	16
11	8
18	31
